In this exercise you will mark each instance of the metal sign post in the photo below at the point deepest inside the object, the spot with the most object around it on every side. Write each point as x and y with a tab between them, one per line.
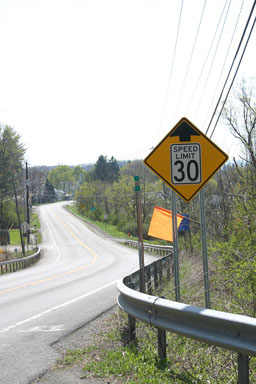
204	251
140	233
175	248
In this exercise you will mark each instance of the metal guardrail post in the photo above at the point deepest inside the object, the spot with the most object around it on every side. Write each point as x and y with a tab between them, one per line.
131	321
160	268
243	369
168	269
161	339
132	328
155	275
148	280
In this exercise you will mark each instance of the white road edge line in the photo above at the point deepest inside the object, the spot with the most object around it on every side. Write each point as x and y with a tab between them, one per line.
55	244
57	307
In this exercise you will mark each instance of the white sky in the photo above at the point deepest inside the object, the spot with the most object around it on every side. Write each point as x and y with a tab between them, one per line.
84	78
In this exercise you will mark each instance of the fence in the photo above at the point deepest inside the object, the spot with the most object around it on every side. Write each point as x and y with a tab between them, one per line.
14	265
234	332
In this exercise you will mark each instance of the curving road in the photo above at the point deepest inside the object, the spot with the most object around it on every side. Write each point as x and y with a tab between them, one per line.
73	283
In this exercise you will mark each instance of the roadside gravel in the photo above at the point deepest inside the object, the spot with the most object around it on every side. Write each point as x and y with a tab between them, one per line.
81	339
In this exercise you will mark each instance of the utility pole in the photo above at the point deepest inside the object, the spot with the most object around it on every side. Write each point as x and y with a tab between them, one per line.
27	200
18	214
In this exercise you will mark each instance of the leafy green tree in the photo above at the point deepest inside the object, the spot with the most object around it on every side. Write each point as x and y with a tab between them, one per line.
79	174
90	199
62	177
11	157
121	198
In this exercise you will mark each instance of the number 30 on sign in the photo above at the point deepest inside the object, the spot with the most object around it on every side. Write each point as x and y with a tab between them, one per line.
186	163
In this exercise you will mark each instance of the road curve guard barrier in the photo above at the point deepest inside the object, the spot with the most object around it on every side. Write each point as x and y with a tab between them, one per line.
234	332
153	248
14	265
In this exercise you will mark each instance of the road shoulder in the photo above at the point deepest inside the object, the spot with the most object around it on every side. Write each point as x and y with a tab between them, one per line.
81	339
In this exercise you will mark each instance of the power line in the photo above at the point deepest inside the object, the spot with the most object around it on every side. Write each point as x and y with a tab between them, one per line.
223	66
214	57
171	71
207	56
233	78
190	60
231	67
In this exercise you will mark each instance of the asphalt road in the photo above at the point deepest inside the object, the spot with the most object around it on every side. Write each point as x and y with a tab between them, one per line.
73	283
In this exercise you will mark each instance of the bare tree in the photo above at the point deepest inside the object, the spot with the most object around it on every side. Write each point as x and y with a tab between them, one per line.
240	116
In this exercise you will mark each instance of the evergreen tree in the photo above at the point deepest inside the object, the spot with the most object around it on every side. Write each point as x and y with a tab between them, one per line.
106	170
11	158
49	193
113	170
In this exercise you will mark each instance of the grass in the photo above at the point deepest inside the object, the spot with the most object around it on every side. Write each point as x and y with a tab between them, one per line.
106	227
111	229
73	356
15	241
188	361
15	237
15	233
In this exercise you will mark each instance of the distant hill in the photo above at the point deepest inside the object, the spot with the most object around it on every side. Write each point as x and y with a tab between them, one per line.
86	167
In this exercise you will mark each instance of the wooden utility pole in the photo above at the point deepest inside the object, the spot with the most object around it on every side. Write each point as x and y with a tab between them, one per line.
18	214
27	201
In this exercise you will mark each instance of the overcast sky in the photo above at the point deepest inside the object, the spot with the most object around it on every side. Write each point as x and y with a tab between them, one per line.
84	78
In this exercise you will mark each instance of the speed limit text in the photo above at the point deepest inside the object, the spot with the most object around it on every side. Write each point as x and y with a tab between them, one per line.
185	163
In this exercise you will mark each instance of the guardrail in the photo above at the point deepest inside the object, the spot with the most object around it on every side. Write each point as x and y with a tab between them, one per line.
158	249
154	274
14	265
234	332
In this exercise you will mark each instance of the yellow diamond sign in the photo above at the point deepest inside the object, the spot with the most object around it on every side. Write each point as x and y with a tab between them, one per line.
186	159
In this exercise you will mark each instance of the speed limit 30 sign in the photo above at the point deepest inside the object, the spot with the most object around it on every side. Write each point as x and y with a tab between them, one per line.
186	159
186	163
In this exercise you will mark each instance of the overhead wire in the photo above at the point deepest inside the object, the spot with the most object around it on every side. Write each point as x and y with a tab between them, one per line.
230	70
224	63
207	56
190	60
213	59
172	66
232	82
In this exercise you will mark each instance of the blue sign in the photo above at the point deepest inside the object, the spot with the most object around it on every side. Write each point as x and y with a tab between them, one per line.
184	225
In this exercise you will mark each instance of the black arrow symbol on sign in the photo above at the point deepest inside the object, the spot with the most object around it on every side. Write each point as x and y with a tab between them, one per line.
184	131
